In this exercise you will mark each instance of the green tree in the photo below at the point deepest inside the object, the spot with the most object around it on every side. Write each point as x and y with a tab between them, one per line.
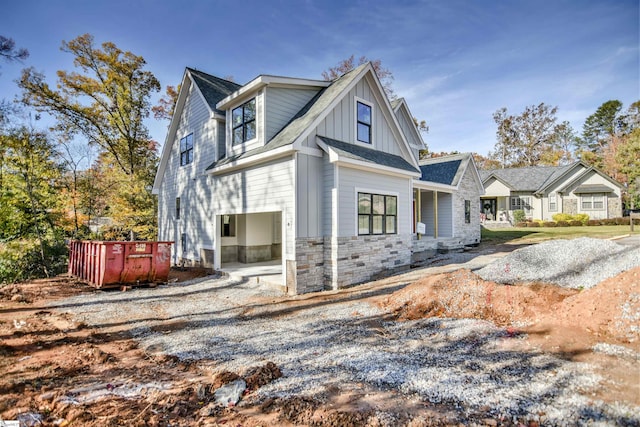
530	138
106	103
628	157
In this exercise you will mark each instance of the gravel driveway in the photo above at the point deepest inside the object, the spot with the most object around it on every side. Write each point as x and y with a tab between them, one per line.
340	339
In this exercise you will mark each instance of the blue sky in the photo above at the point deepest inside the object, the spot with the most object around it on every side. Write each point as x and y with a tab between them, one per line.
456	62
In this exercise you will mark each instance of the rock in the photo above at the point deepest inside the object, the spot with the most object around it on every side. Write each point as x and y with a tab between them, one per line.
229	395
47	396
17	298
490	422
201	391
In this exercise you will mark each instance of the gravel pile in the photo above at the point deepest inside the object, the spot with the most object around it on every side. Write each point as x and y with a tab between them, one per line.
579	263
321	342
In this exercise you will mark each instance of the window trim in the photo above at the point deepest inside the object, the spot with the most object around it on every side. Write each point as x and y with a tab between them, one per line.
467	211
521	204
357	122
188	151
244	123
553	207
371	215
592	201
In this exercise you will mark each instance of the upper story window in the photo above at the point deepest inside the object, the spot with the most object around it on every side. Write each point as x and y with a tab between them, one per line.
377	214
186	150
243	119
363	127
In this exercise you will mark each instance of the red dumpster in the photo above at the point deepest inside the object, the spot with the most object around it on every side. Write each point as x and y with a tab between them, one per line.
105	264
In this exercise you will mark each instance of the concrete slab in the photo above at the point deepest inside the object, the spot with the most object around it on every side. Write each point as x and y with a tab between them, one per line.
269	272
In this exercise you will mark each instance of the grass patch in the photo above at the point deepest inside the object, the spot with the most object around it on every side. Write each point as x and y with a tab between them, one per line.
533	235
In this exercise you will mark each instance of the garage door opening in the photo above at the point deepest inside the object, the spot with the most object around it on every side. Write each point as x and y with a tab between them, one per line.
251	245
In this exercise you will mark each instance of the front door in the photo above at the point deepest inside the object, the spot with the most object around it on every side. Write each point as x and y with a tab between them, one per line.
489	208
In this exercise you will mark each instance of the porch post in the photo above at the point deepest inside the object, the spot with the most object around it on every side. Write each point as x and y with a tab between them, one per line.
419	209
435	214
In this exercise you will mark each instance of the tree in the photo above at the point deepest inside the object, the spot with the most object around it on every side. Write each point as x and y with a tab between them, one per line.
601	126
628	158
9	52
529	139
106	104
485	163
166	104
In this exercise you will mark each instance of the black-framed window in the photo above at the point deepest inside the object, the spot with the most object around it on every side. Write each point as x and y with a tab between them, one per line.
467	211
243	119
364	123
228	226
377	214
186	150
177	207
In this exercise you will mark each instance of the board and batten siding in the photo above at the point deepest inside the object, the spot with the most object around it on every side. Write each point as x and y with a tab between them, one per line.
189	182
340	123
281	105
268	187
310	196
353	180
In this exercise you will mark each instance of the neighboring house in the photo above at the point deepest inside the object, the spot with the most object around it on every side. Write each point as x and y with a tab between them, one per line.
542	191
322	176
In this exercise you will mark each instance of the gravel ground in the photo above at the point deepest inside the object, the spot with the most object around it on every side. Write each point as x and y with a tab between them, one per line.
468	365
578	263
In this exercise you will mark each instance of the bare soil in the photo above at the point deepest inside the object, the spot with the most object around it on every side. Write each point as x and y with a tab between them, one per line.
46	357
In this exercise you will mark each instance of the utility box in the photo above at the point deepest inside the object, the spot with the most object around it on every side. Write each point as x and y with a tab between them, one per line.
105	264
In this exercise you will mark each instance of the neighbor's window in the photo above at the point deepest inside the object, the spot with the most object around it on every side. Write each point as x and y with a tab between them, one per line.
228	226
364	123
521	202
177	207
183	242
553	202
186	150
467	211
243	119
377	214
592	201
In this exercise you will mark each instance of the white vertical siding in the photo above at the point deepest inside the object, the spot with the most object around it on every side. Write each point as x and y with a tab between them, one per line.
309	196
445	214
352	179
408	127
340	123
281	105
328	171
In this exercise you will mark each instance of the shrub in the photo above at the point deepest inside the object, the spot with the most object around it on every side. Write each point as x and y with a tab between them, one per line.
522	224
21	260
583	218
563	223
622	221
519	216
609	221
575	223
561	217
533	224
593	222
549	224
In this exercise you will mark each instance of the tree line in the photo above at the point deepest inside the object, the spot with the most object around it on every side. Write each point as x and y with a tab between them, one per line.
96	163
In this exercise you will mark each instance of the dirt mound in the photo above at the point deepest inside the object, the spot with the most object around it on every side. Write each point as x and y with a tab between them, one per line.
610	310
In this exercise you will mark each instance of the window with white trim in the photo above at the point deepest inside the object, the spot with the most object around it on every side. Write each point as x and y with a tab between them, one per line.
363	125
377	214
243	119
553	202
521	202
186	150
593	202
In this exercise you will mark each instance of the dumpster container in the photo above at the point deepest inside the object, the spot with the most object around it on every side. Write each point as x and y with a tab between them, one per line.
105	264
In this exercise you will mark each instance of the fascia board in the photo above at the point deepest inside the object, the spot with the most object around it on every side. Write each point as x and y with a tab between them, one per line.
252	160
427	185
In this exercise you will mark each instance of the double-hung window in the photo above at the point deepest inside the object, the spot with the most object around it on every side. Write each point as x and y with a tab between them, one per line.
521	202
363	128
592	202
186	150
243	119
377	214
553	202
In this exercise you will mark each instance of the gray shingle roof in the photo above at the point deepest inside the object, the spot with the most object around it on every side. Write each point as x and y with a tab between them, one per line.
303	119
531	178
357	152
214	89
593	188
444	170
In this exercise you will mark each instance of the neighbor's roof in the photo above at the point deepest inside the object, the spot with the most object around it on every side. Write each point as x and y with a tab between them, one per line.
357	152
593	188
214	89
303	119
444	170
531	178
